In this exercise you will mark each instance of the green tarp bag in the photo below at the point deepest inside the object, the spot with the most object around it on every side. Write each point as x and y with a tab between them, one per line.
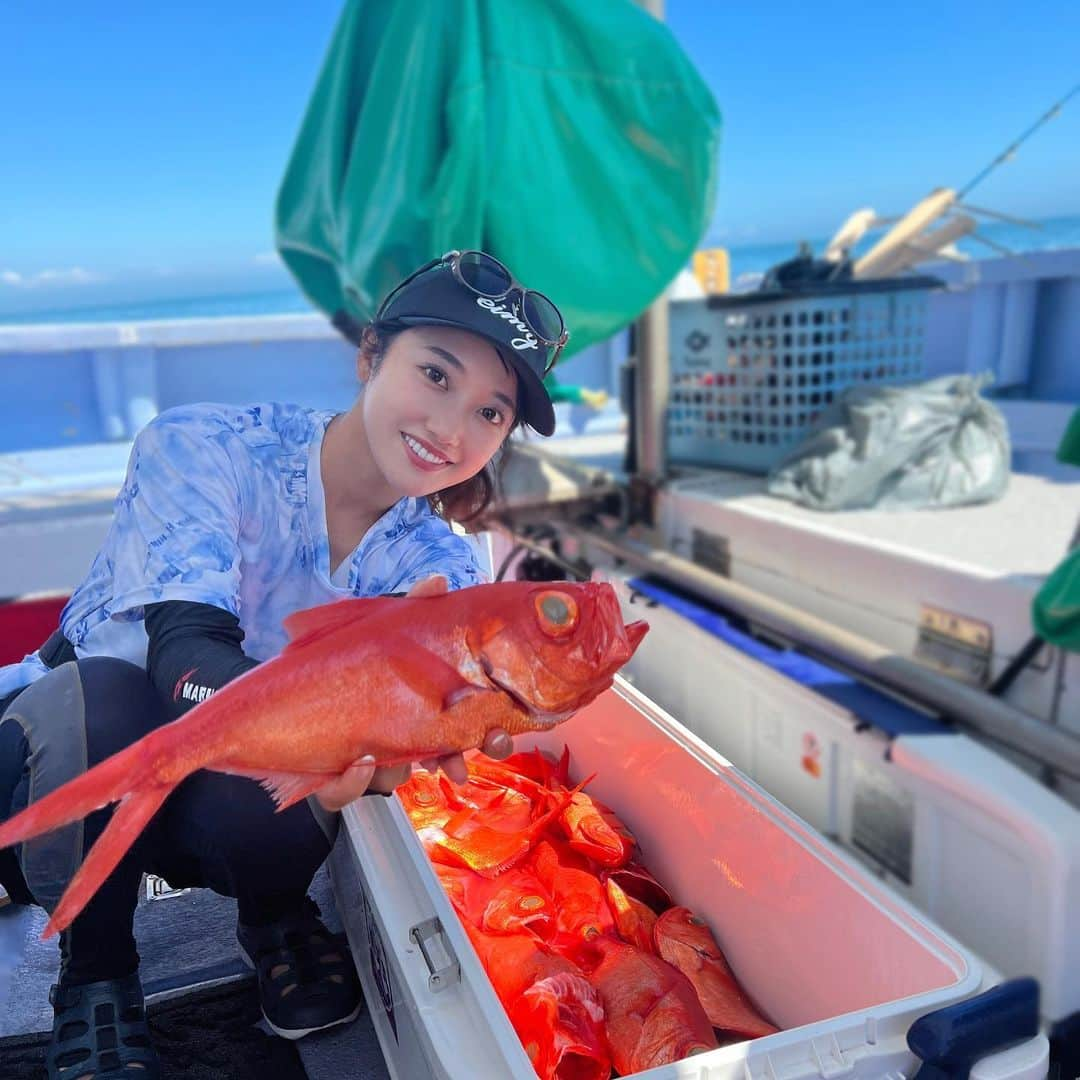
574	141
1055	610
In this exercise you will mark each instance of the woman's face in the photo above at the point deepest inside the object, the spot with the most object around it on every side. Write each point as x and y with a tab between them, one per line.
437	408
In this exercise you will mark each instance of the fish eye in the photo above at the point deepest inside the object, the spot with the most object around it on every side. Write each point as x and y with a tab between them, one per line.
558	612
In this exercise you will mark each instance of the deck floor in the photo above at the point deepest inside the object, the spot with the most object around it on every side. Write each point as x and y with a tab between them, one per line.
185	942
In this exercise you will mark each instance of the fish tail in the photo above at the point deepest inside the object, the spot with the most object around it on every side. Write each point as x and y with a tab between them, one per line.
128	820
105	783
148	763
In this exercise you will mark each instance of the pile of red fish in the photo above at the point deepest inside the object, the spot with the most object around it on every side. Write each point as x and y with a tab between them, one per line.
596	967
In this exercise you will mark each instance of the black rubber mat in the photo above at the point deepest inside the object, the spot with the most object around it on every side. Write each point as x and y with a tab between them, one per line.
207	1034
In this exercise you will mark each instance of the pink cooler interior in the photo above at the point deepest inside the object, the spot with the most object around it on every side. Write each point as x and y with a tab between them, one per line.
808	938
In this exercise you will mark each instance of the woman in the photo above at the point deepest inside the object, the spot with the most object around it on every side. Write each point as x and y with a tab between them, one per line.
230	519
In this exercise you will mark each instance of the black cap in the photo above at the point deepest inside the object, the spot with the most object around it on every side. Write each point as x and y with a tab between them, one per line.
437	298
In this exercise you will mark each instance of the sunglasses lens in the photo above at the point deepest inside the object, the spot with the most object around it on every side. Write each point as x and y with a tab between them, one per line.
543	316
483	274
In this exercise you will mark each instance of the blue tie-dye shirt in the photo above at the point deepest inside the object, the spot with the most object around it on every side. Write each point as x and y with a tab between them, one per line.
224	505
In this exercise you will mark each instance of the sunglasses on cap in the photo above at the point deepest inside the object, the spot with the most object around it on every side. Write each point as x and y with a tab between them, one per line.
486	277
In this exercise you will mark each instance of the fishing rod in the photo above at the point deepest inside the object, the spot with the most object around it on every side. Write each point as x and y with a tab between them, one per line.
908	240
1010	150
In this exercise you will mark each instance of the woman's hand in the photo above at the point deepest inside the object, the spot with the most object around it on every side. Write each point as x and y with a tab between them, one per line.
497	744
350	785
361	777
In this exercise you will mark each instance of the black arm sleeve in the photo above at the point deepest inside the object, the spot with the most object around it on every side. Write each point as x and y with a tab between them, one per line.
193	650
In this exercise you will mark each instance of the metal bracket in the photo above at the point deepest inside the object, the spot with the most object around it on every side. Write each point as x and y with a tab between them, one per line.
955	644
157	888
443	967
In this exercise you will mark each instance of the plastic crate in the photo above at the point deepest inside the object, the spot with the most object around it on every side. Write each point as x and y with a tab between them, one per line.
751	373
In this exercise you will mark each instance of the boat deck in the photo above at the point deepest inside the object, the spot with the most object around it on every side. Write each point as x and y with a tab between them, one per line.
1022	535
188	946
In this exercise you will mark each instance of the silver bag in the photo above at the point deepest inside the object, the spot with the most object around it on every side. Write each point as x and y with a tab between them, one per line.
929	445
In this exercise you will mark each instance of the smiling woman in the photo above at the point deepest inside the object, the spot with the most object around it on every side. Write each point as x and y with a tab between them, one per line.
438	405
230	520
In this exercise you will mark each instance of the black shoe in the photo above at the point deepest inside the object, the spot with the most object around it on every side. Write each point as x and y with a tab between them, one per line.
100	1032
307	980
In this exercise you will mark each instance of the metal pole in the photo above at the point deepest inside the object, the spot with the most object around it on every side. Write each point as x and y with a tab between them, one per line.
973	708
651	369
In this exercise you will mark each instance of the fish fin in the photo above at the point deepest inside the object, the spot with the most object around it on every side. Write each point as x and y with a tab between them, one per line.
307	626
284	788
543	767
562	771
289	788
431	676
128	820
453	800
459	820
487	851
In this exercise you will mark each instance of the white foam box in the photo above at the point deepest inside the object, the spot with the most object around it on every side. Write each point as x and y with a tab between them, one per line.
839	962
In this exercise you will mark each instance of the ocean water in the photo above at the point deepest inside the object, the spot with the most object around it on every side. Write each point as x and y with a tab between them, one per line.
746	261
272	302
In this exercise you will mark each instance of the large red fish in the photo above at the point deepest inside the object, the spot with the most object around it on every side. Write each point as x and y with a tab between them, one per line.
400	679
651	1014
554	1010
686	942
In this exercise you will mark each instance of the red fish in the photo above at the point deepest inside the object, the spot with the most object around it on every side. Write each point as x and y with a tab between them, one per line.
686	942
503	808
467	840
636	881
633	919
652	1015
401	679
580	904
535	765
512	903
428	799
494	772
552	1007
594	830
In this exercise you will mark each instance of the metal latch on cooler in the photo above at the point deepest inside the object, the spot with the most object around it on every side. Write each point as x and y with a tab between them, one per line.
157	888
443	967
956	645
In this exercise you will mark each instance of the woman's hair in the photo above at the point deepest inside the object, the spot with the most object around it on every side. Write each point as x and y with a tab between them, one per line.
462	502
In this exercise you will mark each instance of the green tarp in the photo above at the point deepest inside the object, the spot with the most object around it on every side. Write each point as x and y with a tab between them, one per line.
573	140
1056	608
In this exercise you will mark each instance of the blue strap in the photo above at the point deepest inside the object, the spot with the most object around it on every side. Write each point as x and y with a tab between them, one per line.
867	704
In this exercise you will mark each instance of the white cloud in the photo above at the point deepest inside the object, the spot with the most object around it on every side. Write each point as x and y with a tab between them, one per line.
74	275
267	258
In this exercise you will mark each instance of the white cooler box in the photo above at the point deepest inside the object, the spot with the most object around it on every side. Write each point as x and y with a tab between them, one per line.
982	848
951	588
838	961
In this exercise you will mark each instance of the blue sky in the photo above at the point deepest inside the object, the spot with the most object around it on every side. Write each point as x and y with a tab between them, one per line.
143	143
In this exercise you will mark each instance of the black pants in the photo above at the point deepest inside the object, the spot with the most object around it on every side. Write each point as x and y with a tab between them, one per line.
214	830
